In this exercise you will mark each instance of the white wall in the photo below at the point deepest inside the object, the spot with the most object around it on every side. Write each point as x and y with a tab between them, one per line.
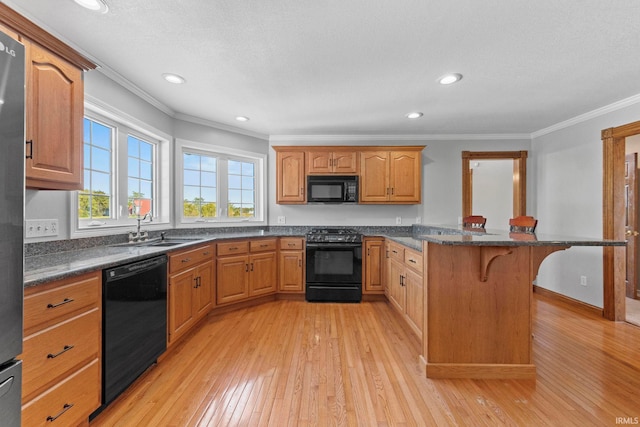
493	192
567	165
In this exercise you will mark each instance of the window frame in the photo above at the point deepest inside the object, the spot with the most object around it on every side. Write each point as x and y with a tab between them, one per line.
223	155
124	126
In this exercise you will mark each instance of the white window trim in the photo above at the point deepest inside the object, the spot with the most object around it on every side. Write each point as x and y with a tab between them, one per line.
183	145
162	174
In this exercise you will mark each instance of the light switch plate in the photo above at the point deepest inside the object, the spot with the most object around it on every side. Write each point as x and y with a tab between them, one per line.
282	220
41	228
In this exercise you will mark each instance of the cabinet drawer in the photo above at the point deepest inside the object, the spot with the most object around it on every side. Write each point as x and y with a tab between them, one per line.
263	245
184	259
291	243
413	260
49	354
396	252
233	248
47	304
69	402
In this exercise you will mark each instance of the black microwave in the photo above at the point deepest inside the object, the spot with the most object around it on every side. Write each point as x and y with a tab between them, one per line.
332	189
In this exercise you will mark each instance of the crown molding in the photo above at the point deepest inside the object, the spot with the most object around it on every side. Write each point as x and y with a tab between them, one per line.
420	137
221	126
632	100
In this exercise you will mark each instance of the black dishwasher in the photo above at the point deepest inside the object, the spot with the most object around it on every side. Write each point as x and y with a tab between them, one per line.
134	323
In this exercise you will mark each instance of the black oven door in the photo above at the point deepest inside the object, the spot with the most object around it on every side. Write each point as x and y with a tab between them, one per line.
334	272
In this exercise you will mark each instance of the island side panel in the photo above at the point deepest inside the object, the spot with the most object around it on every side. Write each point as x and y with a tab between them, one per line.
476	328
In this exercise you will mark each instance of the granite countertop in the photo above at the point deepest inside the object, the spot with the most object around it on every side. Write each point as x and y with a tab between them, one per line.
58	265
505	238
44	268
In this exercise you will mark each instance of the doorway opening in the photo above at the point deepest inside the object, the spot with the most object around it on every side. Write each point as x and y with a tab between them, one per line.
616	225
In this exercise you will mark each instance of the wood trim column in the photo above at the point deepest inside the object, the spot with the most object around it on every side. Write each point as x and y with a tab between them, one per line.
613	215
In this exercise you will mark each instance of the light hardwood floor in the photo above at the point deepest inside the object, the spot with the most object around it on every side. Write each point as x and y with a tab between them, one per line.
633	311
300	364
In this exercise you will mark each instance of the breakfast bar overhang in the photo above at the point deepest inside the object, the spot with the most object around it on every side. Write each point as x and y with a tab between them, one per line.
478	291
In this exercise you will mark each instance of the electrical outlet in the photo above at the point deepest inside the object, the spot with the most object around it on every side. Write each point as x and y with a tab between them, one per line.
583	280
41	228
418	220
398	220
282	220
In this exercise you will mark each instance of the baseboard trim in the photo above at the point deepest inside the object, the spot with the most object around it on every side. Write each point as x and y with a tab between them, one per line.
576	304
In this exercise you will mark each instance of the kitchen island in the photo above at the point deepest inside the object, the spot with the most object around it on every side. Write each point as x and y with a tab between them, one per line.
478	301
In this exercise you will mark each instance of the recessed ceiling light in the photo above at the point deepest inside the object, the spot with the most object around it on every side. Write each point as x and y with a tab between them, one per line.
448	79
95	5
174	78
242	119
414	115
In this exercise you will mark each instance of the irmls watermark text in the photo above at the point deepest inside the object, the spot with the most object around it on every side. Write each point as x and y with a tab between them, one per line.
627	420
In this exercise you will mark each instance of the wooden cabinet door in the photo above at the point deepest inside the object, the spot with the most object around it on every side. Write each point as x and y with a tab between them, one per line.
345	162
262	273
319	162
414	302
405	176
373	266
290	177
396	286
232	279
374	176
181	287
55	96
203	295
291	269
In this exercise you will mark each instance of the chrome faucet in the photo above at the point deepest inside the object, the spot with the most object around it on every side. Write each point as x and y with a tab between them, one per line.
140	236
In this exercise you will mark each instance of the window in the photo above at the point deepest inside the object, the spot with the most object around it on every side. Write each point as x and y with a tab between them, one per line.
200	185
94	201
241	189
219	186
122	177
140	177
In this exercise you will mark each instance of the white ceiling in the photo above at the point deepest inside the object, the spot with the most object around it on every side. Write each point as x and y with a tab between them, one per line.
345	67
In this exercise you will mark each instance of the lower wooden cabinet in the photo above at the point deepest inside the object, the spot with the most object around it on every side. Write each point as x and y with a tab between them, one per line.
405	284
245	269
191	288
291	265
373	265
61	351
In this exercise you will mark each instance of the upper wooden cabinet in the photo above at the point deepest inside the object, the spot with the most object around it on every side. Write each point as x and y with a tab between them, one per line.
388	174
54	109
391	176
290	177
55	97
332	162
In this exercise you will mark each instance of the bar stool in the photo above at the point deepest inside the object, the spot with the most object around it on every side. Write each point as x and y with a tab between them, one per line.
523	224
474	221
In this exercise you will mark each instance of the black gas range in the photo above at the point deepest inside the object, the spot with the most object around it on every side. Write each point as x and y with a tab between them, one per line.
334	265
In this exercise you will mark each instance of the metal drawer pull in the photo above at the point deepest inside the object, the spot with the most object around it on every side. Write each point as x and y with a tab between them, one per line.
413	261
234	248
186	260
64	301
65	408
206	253
291	244
264	246
64	350
30	144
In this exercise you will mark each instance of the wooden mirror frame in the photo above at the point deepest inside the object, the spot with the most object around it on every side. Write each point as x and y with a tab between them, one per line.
519	178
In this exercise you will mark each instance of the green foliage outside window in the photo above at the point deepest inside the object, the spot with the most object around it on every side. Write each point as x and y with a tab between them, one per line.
94	205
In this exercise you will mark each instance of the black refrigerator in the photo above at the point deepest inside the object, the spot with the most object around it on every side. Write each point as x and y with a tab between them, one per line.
12	152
